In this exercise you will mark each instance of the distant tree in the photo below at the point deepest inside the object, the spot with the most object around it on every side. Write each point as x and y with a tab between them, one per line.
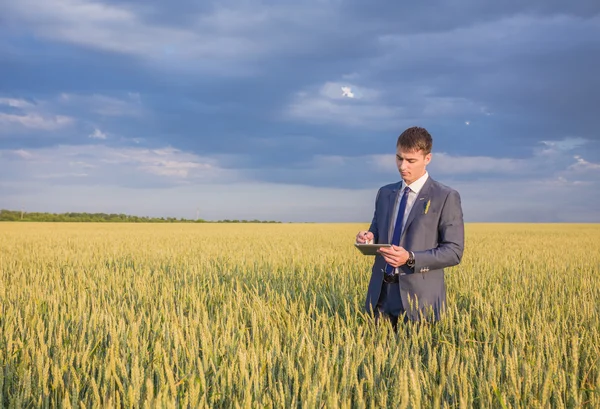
17	215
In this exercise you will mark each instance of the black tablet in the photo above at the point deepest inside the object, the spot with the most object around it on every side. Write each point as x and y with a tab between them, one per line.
370	249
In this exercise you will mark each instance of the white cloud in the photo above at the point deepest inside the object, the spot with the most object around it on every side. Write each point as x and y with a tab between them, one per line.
369	107
583	165
327	104
122	29
347	92
164	162
30	115
15	103
22	153
97	134
112	165
49	114
15	154
216	40
564	145
34	121
331	90
323	111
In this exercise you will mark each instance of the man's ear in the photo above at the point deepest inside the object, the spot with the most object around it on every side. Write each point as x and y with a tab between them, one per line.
428	158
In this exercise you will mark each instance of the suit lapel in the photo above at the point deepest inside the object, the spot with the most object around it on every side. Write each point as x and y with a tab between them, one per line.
419	204
390	214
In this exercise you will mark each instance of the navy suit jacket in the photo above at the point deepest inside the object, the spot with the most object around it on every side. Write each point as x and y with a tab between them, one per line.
434	233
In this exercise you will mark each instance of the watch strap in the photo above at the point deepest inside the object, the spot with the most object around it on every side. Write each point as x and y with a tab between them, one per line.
411	259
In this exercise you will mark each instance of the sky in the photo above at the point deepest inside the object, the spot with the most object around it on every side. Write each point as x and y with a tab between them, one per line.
290	110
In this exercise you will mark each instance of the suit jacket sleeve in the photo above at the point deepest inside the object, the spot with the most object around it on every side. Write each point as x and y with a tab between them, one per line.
451	235
374	228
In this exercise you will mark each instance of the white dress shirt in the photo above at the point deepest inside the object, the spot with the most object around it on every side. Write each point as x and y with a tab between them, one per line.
415	187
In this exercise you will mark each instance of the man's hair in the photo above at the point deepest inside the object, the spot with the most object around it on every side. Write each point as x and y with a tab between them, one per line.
415	139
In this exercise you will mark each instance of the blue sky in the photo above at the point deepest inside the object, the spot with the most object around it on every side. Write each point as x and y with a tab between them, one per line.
235	109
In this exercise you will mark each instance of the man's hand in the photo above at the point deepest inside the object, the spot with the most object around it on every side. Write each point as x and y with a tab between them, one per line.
364	237
395	256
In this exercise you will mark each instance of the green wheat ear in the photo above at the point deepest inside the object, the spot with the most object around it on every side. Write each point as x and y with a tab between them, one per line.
427	206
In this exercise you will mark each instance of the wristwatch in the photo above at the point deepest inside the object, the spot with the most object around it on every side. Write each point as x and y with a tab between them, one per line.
411	259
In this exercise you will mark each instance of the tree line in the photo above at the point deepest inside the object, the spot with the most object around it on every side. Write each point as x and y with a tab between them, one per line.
20	216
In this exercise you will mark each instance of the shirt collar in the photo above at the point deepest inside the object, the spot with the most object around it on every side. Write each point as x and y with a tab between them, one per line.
418	184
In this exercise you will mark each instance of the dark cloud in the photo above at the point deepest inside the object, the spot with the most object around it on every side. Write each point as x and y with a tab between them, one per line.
488	80
436	16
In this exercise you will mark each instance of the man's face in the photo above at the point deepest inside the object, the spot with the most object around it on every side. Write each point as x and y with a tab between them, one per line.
411	165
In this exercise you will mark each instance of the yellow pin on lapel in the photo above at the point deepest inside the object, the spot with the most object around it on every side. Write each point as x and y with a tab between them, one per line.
427	206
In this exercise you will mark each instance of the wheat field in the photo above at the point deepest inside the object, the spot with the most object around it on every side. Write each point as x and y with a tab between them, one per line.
270	316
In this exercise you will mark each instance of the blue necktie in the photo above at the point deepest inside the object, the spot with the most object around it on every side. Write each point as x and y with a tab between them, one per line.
398	226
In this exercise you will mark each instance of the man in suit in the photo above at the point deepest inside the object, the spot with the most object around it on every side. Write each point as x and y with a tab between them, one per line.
423	221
